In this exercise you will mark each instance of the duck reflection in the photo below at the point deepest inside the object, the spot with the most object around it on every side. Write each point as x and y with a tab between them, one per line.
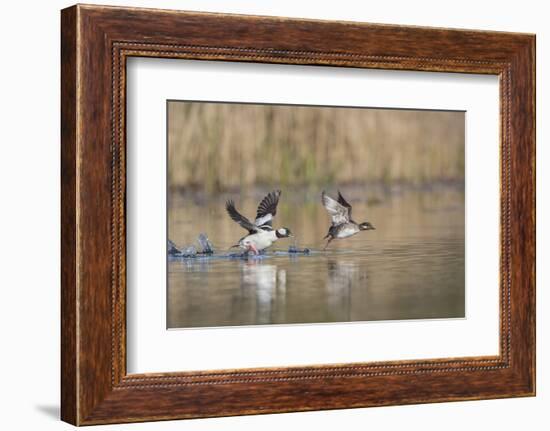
267	284
343	275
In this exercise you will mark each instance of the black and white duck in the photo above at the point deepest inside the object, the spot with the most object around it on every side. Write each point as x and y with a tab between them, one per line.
261	234
342	225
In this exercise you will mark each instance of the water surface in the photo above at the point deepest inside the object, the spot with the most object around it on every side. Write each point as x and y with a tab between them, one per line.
410	267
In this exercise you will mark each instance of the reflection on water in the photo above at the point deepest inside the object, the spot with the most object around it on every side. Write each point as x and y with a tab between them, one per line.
410	267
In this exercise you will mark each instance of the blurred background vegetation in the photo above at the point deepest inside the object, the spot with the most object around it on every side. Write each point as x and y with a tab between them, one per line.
220	147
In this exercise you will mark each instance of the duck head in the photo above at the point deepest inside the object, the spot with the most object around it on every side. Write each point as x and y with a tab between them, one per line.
283	233
366	226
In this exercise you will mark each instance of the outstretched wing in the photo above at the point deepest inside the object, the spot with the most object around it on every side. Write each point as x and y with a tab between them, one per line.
239	218
337	212
344	203
267	210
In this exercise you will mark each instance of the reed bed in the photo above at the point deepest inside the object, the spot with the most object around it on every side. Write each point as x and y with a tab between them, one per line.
215	147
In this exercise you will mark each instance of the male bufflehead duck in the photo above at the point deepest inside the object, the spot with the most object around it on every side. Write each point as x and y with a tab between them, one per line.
342	225
261	234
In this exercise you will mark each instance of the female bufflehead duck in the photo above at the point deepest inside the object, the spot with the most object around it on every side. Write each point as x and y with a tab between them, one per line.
342	225
260	233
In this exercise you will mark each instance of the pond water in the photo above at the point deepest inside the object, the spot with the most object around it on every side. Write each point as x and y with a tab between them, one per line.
410	267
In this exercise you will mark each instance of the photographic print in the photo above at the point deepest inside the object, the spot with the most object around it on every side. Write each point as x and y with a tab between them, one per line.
290	214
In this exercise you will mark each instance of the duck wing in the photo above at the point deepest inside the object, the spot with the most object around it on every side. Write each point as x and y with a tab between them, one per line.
267	210
236	216
344	203
337	211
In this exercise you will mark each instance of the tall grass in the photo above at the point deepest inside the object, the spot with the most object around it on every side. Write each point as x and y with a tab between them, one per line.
217	146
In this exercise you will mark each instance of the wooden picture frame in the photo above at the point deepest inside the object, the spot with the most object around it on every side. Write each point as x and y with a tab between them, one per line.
95	43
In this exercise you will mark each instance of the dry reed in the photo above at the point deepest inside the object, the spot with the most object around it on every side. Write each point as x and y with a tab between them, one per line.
218	146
